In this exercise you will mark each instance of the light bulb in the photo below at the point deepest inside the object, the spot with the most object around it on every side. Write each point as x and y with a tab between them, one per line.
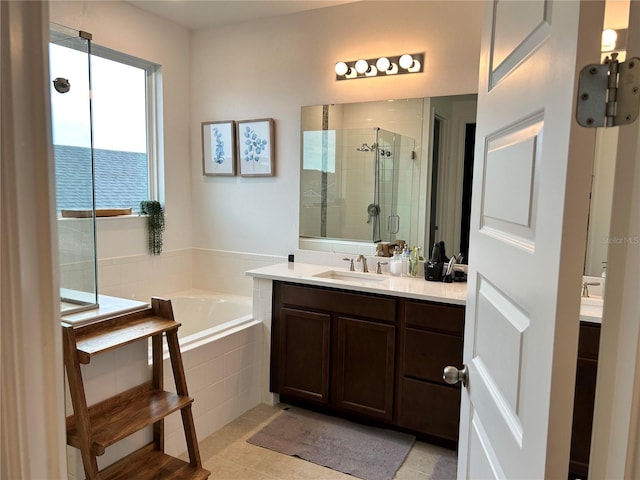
372	72
415	67
383	64
341	68
609	38
406	61
362	66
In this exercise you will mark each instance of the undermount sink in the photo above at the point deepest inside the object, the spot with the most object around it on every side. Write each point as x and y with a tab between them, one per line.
595	301
348	276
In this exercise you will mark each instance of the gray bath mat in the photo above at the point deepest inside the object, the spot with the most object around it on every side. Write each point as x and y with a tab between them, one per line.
365	452
446	468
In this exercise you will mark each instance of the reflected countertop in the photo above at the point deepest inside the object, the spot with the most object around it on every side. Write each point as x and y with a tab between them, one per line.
384	284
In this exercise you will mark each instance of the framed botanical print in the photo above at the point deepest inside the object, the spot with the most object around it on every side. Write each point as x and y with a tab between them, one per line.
256	149
218	148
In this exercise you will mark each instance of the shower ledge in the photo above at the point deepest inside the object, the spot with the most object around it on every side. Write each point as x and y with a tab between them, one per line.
107	307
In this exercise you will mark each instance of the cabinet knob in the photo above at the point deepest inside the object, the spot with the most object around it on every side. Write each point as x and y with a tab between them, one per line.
452	375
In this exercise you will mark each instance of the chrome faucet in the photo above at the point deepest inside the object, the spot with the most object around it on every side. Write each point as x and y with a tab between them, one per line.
350	260
363	259
585	288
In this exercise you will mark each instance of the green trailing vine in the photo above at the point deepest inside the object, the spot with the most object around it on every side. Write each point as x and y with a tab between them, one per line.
155	224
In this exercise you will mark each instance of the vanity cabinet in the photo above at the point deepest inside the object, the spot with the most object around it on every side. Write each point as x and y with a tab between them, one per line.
368	357
334	348
584	399
431	338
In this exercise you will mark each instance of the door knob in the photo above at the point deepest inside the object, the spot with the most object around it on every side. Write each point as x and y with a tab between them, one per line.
452	375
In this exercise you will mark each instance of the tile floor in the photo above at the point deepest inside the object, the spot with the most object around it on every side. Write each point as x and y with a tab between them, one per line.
228	456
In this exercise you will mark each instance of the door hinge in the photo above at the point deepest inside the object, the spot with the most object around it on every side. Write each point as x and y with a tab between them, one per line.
609	93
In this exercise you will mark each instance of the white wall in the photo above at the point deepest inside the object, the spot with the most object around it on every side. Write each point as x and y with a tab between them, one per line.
271	67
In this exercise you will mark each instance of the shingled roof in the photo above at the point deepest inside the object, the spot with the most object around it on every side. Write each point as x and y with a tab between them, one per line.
121	178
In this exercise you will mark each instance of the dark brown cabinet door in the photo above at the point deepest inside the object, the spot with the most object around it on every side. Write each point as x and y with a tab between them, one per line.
364	367
584	399
303	354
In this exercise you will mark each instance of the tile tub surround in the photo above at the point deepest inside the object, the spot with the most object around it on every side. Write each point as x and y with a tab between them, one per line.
223	270
224	377
140	277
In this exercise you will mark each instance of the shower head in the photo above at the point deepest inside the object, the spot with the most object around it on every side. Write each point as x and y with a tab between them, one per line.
364	148
61	85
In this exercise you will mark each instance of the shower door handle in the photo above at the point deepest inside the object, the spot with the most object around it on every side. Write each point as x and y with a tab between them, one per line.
395	230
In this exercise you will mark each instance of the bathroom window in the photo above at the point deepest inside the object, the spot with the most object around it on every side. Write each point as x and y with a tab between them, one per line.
124	91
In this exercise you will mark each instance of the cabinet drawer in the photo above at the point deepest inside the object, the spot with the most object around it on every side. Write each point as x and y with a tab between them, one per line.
338	301
427	353
428	408
444	318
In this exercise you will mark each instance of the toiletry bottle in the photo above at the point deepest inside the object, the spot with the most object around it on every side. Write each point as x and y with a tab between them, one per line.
395	265
406	261
414	262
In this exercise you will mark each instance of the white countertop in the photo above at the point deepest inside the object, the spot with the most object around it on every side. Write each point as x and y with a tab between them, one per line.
408	287
591	309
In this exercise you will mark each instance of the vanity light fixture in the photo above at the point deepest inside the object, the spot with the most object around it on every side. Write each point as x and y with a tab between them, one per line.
379	67
614	40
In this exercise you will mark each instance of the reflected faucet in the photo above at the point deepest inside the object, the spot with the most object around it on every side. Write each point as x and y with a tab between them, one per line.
363	259
585	288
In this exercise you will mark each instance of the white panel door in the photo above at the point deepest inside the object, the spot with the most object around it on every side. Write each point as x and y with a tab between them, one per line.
527	243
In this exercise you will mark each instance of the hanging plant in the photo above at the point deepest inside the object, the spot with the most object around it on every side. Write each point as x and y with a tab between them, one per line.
155	224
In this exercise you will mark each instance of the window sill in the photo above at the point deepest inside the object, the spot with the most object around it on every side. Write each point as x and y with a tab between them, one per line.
100	219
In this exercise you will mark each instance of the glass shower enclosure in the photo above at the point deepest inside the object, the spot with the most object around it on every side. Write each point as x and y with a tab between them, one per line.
70	76
351	184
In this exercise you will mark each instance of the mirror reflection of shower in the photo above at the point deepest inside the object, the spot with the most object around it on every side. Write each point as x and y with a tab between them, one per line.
349	184
373	209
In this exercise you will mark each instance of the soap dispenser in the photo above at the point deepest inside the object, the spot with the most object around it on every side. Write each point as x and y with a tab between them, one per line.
395	265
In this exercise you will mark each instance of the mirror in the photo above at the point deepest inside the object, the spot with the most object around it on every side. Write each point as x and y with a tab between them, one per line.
616	17
391	170
598	238
376	172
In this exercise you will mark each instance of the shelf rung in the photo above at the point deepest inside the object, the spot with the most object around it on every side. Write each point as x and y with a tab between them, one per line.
148	463
95	341
128	415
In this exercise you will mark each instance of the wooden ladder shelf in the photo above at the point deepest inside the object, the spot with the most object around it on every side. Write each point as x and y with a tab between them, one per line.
93	428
